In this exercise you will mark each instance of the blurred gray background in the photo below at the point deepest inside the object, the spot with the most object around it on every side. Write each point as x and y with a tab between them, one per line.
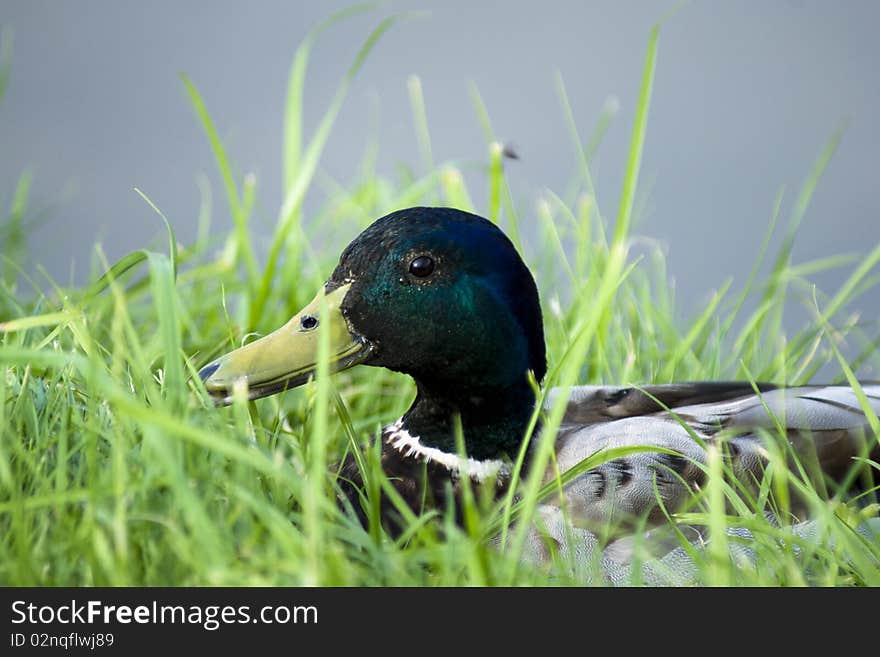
746	95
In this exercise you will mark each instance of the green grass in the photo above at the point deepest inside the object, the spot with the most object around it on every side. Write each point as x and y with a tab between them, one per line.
115	468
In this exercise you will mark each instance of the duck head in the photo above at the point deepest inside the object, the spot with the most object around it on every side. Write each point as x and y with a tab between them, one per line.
436	293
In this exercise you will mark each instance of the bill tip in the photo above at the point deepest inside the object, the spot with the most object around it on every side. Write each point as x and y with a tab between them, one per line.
207	371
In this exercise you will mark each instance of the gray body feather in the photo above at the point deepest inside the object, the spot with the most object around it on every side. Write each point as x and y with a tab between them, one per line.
825	426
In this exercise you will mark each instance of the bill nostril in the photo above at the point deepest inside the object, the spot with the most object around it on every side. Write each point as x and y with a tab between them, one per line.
207	371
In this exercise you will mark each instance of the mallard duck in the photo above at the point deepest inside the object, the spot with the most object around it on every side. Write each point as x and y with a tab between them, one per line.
443	296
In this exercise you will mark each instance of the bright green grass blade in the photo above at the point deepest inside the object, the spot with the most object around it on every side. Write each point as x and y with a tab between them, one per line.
597	326
454	189
172	241
34	321
236	207
420	118
545	214
165	299
313	512
481	111
637	142
305	170
762	253
851	379
583	156
846	292
293	109
12	231
203	224
125	264
775	292
719	572
496	180
499	190
806	269
698	327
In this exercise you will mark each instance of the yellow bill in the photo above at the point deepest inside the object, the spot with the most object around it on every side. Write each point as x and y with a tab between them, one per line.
287	357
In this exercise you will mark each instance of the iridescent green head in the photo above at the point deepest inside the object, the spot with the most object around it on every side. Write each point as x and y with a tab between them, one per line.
437	293
443	296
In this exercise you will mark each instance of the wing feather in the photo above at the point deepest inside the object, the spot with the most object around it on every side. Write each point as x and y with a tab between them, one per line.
825	424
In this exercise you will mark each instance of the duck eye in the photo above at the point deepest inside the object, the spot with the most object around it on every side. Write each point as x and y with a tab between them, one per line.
308	322
422	266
